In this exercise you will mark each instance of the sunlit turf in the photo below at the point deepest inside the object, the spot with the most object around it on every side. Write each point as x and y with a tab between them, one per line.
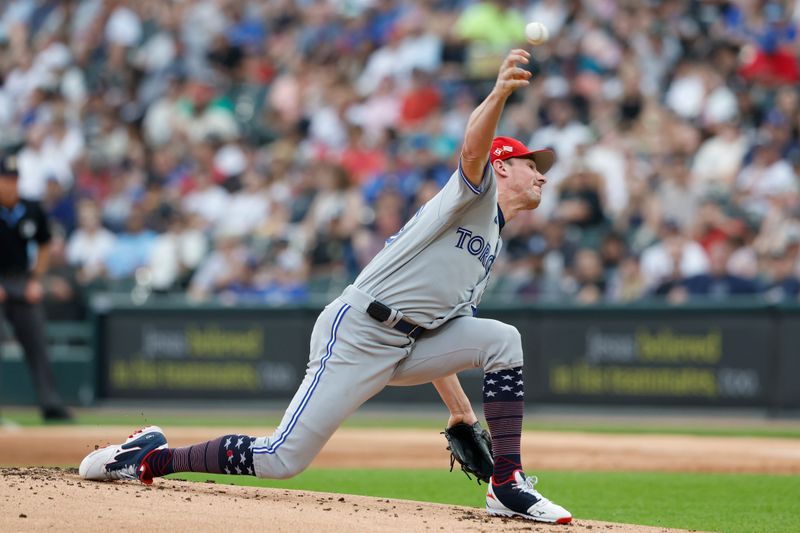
166	419
733	503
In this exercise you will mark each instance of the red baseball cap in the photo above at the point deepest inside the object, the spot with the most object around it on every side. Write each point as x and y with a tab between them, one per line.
507	147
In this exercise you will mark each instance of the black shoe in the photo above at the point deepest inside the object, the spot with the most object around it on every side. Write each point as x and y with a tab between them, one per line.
57	414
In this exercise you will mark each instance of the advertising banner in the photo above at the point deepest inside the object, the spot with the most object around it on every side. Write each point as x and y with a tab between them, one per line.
599	356
788	378
655	358
199	353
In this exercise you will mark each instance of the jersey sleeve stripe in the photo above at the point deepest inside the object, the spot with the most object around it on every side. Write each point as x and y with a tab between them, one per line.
476	190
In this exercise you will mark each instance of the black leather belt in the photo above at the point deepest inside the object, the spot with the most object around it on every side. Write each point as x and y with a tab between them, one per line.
381	313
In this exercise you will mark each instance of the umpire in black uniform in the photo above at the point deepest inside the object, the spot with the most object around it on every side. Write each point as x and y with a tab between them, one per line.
22	223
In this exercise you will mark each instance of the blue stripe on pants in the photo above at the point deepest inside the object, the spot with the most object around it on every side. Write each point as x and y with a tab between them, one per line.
307	396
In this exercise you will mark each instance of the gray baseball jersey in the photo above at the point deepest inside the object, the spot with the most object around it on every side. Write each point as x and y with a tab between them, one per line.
438	265
433	272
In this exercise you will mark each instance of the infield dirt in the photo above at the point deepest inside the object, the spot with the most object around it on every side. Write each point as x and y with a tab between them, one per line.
52	499
34	498
417	448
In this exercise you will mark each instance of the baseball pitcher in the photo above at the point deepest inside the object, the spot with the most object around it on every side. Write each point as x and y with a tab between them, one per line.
407	319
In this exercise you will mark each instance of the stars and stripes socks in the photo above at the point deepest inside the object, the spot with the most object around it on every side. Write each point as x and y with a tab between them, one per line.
229	454
503	395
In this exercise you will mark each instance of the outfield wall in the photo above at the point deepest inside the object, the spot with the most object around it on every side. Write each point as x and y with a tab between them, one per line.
743	356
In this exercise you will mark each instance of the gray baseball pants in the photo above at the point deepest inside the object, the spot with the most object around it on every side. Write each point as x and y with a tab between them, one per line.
353	357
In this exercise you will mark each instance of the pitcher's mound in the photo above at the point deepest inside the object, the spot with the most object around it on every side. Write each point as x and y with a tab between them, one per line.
40	499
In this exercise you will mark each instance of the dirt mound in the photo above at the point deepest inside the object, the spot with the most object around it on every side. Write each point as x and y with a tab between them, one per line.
415	448
38	499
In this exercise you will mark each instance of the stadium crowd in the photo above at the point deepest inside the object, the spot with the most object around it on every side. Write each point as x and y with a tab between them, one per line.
261	151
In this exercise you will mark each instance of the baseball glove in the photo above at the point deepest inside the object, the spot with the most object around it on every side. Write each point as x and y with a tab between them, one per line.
471	446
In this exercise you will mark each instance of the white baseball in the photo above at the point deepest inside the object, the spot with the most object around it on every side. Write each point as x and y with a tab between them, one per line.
536	33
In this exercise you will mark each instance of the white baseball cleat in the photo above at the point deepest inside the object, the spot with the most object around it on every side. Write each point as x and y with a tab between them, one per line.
124	461
519	497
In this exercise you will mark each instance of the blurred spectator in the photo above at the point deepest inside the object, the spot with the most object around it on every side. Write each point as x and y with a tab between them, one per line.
642	217
687	92
743	261
246	209
678	192
675	256
420	101
224	267
389	217
163	116
538	285
771	57
564	133
328	125
552	13
713	224
111	143
607	159
491	27
765	177
206	199
372	118
63	294
580	204
361	158
384	63
177	253
719	159
781	283
717	284
205	113
332	254
126	189
588	284
335	211
278	280
59	205
41	161
547	256
613	251
422	42
89	247
780	227
213	118
493	22
669	283
628	285
64	141
131	248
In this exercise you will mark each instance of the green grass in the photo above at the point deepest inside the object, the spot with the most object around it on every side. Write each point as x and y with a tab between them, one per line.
733	503
137	418
133	420
709	502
